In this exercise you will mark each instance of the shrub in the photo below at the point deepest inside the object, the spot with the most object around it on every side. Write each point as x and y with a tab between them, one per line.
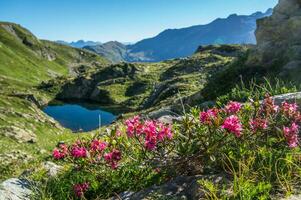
255	143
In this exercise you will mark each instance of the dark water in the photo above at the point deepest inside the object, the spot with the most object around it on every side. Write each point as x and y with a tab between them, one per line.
79	117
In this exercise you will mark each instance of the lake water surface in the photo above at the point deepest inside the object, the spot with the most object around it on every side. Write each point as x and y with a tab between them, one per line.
78	117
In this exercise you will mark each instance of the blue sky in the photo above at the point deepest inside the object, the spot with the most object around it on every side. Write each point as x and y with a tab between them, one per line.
122	20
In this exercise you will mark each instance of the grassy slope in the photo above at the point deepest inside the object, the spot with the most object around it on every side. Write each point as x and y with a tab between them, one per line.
26	62
141	86
24	57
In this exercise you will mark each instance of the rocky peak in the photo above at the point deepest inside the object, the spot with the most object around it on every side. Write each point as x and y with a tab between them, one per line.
279	37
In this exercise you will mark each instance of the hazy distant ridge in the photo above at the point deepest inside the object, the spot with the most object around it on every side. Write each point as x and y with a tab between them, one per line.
175	43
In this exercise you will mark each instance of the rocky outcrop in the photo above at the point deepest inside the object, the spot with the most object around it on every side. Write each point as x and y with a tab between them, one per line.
23	189
279	38
20	135
183	187
15	189
7	159
289	97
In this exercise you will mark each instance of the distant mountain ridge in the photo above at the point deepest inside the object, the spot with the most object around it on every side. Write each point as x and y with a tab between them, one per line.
114	51
79	43
176	43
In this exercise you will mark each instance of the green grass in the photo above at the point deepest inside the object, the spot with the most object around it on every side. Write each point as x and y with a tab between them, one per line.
143	86
29	63
257	165
26	62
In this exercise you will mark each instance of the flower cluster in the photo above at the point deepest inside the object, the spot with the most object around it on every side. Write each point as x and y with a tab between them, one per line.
113	157
290	110
258	124
80	188
291	135
233	107
233	125
91	151
133	126
206	117
98	145
78	152
60	152
268	106
287	113
152	131
274	125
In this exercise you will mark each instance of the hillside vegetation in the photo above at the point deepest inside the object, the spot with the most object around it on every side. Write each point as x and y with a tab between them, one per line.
141	86
209	126
25	62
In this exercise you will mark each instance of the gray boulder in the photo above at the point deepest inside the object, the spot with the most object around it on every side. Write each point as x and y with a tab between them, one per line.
289	97
183	187
15	189
278	39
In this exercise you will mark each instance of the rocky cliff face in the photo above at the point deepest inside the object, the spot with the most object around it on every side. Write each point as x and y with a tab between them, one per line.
279	37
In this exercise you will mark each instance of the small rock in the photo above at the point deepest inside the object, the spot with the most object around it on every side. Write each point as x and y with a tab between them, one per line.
168	119
52	168
159	113
42	151
15	189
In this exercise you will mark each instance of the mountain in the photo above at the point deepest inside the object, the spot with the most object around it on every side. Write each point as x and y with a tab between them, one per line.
79	43
176	43
114	51
24	57
25	63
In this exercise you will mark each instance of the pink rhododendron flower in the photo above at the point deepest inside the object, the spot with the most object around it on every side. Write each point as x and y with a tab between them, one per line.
297	117
80	188
116	155
207	116
108	156
233	107
150	143
113	157
79	152
256	124
57	154
133	126
164	132
269	106
150	132
150	128
233	125
291	135
61	152
118	133
97	145
289	109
